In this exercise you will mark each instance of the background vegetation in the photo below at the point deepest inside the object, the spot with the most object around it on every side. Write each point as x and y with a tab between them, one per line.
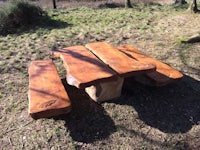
18	13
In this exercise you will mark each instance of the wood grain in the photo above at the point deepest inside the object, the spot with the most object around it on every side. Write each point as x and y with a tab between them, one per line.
84	68
163	75
47	95
118	61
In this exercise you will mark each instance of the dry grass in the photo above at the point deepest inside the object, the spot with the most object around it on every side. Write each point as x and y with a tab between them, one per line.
142	118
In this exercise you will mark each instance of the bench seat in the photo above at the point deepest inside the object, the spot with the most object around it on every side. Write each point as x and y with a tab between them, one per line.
47	95
163	75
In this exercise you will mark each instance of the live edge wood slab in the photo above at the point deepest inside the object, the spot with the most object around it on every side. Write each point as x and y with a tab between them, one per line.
47	95
118	61
163	75
83	68
86	71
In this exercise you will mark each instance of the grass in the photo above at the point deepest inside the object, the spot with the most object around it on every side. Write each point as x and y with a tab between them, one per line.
142	118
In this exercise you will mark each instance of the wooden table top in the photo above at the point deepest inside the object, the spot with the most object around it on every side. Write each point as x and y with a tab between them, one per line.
101	62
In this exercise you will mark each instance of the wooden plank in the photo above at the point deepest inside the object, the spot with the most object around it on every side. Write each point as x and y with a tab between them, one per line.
118	61
163	75
84	68
47	95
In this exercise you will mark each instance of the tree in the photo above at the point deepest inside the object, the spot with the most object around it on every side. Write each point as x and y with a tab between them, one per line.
193	6
128	4
54	4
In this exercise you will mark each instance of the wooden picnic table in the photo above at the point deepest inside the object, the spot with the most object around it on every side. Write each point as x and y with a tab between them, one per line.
98	68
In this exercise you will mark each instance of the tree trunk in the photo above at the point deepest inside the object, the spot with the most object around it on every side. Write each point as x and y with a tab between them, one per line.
193	6
128	4
54	4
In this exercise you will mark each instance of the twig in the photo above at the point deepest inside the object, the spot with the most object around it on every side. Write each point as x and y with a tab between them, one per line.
10	141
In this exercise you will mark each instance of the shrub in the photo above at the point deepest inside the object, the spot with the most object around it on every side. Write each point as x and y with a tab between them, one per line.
18	13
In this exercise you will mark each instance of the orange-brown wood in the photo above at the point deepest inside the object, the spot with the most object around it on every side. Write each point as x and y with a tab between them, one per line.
164	74
84	68
47	95
121	63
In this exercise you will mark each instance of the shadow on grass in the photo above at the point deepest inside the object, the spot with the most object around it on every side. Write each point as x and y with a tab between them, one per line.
171	109
48	23
194	70
111	5
88	121
122	5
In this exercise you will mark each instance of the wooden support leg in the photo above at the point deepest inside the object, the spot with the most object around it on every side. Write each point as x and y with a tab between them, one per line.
105	90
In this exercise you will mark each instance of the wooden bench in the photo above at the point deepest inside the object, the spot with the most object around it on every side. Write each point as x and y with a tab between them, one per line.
163	75
47	95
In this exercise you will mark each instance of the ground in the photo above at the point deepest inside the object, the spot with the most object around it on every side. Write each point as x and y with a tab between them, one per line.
144	117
